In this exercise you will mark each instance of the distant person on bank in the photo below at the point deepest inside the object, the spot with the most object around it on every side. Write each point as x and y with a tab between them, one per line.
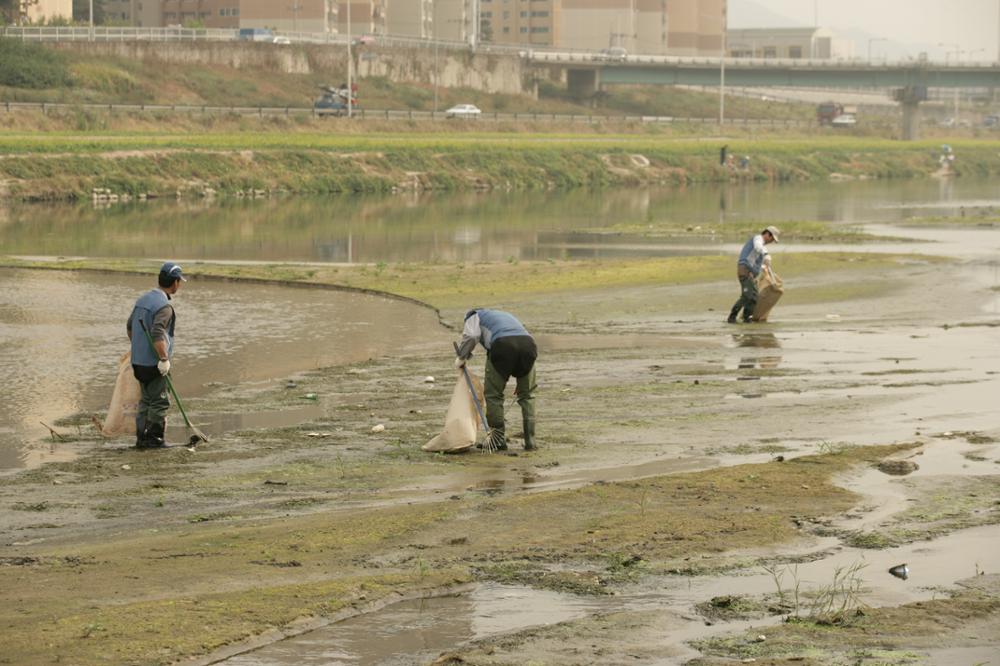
753	258
510	352
151	363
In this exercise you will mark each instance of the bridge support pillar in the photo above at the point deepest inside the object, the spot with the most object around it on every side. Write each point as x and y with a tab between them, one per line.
910	98
583	83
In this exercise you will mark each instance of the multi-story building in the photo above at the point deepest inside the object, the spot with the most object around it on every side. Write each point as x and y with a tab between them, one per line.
288	15
529	22
368	17
282	15
44	10
639	26
788	43
410	17
138	13
210	13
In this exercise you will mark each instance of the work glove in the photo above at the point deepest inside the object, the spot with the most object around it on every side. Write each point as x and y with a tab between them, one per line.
164	367
767	260
459	362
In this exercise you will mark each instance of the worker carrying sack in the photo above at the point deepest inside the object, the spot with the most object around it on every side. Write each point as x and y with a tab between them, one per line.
769	290
461	423
124	402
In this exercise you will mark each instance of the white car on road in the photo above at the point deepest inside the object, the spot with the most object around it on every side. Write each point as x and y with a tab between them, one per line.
463	111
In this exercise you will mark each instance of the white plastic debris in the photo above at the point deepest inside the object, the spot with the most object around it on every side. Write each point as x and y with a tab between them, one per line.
428	380
126	466
378	428
833	317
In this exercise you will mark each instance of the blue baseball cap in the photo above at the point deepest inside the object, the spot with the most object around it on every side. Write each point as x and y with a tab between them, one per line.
173	270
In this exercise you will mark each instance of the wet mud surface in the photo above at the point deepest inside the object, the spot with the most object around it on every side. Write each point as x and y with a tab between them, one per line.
698	483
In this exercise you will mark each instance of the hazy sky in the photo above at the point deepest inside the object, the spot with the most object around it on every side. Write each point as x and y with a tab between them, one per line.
974	24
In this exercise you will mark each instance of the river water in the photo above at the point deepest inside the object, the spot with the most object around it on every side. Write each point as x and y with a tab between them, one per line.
60	332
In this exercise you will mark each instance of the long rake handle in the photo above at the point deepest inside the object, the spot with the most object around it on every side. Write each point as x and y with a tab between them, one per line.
472	390
170	384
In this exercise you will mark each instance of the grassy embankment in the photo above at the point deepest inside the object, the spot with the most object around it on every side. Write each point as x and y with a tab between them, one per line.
70	165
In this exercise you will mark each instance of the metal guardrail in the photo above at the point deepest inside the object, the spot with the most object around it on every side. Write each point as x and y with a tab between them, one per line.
390	114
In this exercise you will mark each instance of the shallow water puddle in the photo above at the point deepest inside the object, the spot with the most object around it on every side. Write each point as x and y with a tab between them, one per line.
418	631
64	332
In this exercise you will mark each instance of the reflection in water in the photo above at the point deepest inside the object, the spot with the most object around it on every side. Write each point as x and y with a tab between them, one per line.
61	334
756	340
448	227
416	632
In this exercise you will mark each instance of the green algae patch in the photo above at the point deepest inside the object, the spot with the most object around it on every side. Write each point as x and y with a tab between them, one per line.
204	588
453	285
943	505
193	588
668	518
812	231
897	635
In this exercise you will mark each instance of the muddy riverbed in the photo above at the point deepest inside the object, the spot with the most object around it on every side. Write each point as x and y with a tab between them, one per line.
698	483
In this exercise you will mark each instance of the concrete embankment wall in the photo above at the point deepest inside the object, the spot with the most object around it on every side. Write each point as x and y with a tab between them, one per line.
454	69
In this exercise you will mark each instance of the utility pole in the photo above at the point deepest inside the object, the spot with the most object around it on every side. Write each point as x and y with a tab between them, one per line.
474	32
295	15
437	75
91	20
350	66
722	69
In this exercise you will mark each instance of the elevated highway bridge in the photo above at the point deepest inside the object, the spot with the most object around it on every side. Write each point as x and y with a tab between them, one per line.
589	73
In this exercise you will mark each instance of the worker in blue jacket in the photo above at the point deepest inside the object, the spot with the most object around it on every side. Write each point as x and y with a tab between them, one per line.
151	363
753	258
510	352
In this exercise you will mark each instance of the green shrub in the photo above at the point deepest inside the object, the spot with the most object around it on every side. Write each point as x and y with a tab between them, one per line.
31	66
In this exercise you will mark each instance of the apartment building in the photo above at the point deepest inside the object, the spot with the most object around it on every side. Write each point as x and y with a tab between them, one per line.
210	13
528	22
679	27
368	17
281	15
793	43
289	15
138	13
44	10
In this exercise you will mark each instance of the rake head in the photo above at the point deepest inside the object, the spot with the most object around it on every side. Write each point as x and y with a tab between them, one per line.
494	441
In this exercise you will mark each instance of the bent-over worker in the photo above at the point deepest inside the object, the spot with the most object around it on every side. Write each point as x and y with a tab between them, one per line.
753	258
510	352
151	364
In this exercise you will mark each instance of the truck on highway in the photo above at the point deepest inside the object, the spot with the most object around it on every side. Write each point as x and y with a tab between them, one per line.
333	101
836	115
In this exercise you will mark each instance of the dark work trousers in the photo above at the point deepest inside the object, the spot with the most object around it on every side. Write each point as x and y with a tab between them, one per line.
153	404
748	297
512	356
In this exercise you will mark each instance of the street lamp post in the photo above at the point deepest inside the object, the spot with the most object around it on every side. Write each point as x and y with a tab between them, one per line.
91	19
947	58
350	65
437	74
722	70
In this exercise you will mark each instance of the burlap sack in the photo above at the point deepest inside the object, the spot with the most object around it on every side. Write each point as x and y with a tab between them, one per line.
461	423
769	290
124	402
